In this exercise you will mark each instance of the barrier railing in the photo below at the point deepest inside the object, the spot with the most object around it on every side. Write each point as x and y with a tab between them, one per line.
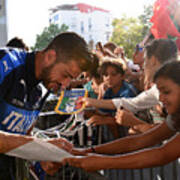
170	171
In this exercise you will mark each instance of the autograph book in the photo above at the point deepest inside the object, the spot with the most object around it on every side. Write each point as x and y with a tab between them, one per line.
68	102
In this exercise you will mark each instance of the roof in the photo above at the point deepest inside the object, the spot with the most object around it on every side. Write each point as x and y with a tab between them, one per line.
84	8
87	8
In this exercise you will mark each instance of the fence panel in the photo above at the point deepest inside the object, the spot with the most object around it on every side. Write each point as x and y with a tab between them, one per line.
170	171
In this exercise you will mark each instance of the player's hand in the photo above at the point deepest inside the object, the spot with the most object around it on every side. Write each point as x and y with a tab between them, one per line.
80	151
50	167
62	143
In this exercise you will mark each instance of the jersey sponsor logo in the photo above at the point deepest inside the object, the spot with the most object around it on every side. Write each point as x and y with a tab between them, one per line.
6	68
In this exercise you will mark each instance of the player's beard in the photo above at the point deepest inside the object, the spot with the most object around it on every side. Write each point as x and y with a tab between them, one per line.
45	75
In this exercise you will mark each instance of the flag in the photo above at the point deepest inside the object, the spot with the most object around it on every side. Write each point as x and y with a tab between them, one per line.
69	101
163	25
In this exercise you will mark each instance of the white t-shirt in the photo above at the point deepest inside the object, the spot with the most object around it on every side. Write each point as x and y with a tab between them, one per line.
144	100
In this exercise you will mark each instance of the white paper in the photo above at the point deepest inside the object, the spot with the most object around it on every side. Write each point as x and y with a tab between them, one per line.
39	150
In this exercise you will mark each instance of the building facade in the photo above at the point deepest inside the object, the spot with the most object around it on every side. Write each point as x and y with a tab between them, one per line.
92	23
3	22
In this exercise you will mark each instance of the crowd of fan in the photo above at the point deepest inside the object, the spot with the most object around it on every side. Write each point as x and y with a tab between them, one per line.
124	95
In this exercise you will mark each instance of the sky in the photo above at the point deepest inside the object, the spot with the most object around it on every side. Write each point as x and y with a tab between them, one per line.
27	18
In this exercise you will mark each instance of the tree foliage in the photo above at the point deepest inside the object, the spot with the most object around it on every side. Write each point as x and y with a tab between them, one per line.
43	39
145	19
128	31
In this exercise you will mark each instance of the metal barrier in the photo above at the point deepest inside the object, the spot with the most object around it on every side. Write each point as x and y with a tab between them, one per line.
170	171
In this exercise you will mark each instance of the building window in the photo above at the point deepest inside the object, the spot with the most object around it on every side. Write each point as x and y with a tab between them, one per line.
107	36
73	23
90	37
89	24
107	22
56	17
82	27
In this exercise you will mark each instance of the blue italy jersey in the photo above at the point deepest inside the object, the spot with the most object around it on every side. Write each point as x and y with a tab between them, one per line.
20	93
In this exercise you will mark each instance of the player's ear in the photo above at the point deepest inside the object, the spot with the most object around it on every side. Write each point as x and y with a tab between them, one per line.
50	57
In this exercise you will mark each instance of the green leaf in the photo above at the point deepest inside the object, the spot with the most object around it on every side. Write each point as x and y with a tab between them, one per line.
43	39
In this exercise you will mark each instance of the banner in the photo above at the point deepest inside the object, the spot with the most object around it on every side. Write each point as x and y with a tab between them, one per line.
69	101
